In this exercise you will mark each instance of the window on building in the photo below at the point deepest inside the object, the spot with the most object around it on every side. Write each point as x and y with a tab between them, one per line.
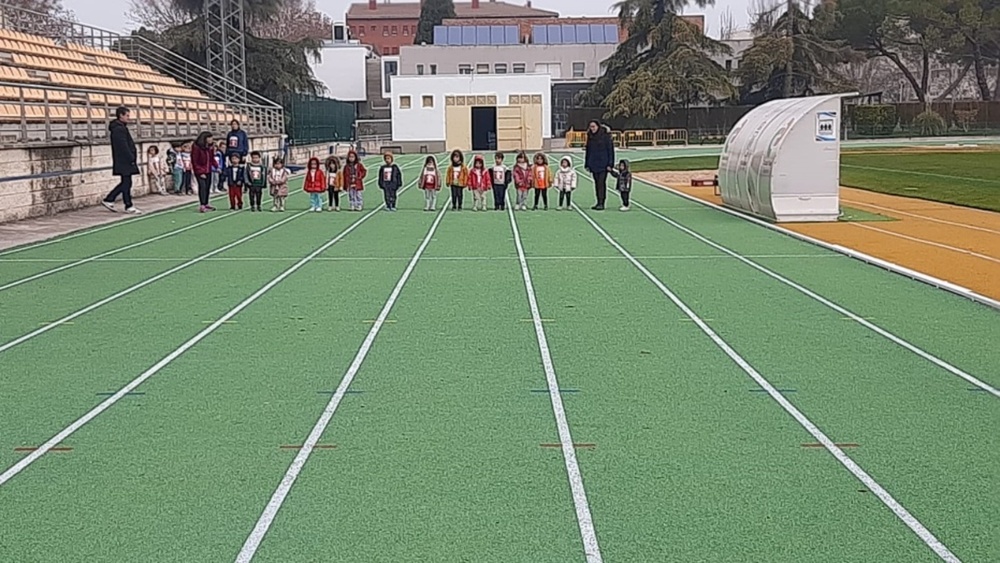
579	69
427	101
395	30
434	69
483	68
729	64
361	31
500	68
420	70
389	69
406	30
518	68
465	69
385	31
373	29
404	102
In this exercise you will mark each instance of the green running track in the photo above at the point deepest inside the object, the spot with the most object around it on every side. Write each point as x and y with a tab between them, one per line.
447	445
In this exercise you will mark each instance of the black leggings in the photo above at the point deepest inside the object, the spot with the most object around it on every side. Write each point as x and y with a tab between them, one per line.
204	186
256	194
499	197
625	198
544	194
565	198
390	197
456	197
334	197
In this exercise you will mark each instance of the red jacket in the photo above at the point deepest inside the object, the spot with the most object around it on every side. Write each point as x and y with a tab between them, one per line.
201	160
522	178
354	176
315	181
480	179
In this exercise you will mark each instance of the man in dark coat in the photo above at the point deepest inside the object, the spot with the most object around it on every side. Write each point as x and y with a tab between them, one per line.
600	157
124	161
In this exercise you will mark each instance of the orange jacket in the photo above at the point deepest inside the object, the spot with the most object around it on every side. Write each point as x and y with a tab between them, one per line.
459	178
541	177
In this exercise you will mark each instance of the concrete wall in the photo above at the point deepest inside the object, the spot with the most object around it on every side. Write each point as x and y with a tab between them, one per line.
45	180
556	60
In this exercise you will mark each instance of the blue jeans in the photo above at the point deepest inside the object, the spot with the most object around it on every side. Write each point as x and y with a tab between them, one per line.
316	200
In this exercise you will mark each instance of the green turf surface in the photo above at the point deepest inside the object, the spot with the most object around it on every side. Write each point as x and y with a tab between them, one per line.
437	449
855	215
678	164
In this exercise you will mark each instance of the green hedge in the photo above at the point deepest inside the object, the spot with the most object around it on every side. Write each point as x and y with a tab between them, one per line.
874	119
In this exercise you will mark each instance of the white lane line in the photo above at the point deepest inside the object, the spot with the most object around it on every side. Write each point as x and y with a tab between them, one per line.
918	216
901	512
583	516
263	524
20	466
111	252
140	285
436	258
928	243
954	370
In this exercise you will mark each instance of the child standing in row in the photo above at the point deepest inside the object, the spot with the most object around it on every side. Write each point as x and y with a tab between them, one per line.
354	180
522	181
334	181
479	183
278	179
565	183
458	179
624	184
390	180
430	183
172	161
501	179
235	181
156	171
256	180
315	184
184	157
541	179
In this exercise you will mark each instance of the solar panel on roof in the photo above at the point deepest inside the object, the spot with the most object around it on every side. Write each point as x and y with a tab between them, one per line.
496	35
597	34
555	34
583	33
468	35
540	35
611	34
454	35
482	35
511	35
440	35
568	34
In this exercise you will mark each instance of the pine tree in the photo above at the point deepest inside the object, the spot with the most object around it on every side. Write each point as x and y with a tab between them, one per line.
432	13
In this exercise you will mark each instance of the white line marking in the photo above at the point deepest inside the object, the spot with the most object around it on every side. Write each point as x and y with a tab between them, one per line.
583	516
918	216
901	512
823	300
114	251
928	243
18	467
256	536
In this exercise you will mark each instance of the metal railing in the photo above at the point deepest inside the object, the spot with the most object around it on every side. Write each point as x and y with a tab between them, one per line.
265	116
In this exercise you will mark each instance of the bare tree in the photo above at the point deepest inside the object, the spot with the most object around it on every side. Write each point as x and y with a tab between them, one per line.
762	14
727	25
156	15
297	20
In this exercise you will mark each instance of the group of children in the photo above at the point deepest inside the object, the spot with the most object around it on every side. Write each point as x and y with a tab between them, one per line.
334	178
525	176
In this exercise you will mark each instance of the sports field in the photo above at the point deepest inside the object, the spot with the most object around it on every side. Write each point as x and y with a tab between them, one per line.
668	384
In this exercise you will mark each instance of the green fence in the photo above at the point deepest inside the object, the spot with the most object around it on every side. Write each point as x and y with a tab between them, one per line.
314	119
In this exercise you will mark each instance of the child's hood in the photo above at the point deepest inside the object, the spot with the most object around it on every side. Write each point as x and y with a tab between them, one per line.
354	153
431	163
458	153
387	158
625	164
566	163
478	159
333	163
545	160
313	161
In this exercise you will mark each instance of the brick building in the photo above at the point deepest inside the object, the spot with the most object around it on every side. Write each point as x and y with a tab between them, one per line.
387	26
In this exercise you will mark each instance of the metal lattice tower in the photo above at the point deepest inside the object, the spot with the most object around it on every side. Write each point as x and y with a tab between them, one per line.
225	48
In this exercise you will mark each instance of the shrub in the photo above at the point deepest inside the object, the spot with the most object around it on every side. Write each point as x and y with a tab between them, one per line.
874	119
929	123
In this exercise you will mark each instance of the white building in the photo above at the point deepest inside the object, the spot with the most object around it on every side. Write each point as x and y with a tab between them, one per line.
471	112
341	68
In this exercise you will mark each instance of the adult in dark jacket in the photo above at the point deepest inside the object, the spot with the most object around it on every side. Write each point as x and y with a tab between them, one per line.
124	161
237	142
600	157
202	156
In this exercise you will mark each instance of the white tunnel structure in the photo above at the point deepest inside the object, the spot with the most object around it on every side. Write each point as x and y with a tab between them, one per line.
781	162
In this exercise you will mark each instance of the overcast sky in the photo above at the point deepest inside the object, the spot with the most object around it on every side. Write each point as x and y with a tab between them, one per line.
111	14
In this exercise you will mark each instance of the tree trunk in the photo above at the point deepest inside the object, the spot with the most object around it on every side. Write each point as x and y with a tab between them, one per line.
996	85
791	39
961	76
981	80
926	78
921	92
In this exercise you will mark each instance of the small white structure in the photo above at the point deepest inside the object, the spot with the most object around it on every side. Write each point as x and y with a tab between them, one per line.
341	68
472	112
782	161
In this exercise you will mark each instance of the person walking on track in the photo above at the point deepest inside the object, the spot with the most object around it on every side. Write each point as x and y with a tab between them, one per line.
124	161
600	157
